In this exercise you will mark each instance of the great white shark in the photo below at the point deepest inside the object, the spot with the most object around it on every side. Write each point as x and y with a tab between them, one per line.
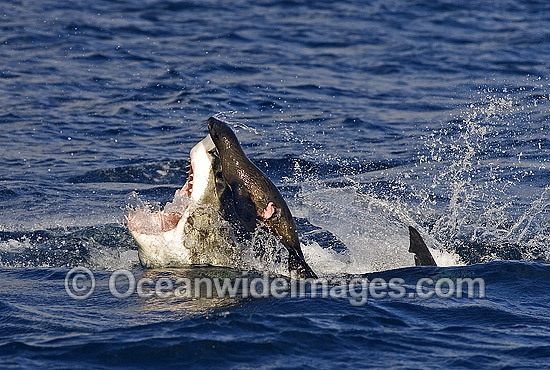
224	202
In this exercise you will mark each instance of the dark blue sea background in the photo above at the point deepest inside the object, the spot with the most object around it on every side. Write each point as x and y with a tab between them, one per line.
369	116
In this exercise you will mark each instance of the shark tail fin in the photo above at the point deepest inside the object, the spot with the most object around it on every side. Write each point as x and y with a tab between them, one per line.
422	256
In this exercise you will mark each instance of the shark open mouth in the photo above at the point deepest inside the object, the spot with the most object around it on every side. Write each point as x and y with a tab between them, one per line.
147	221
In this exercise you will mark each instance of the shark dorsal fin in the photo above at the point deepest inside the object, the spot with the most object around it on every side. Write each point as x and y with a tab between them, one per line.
422	256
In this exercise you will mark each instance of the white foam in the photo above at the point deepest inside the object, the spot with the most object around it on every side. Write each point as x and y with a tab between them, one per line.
374	231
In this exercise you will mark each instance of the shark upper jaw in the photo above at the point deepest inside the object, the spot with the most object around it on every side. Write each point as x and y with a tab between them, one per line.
202	171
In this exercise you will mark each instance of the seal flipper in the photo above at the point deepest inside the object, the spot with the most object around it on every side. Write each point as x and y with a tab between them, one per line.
422	256
244	207
298	264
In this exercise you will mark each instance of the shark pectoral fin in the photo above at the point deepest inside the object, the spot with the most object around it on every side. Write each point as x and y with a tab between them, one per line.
268	211
422	256
244	207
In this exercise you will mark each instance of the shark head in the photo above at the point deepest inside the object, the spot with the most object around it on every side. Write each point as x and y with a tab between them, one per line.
187	229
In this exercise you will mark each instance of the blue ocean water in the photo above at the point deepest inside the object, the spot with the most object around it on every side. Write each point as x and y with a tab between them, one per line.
369	117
